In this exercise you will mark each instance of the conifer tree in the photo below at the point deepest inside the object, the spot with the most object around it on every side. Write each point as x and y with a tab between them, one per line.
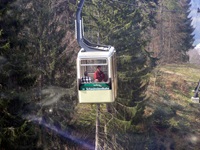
35	45
123	26
15	131
186	30
173	35
50	53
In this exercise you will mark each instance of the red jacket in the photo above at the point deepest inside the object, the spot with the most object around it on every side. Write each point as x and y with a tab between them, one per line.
99	75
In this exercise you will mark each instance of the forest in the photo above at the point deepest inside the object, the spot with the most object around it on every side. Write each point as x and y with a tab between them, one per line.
39	108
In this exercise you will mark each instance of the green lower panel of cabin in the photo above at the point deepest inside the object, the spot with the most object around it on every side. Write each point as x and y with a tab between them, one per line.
95	86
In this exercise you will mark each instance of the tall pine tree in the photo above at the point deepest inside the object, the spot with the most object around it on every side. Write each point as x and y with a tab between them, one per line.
50	53
173	35
124	26
15	131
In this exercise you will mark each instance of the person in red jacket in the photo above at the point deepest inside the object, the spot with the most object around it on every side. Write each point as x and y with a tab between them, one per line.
99	76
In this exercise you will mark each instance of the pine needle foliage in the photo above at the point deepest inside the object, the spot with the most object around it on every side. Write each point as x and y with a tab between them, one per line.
15	132
173	36
34	56
124	27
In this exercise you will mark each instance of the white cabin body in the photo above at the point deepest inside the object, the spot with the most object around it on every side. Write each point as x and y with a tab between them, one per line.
97	92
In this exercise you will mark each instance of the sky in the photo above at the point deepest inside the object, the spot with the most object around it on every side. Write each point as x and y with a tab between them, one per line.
195	20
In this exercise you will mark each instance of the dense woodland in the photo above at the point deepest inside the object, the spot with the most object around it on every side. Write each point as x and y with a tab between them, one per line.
38	52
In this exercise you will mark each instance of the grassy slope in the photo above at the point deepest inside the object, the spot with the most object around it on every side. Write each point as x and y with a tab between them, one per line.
170	120
174	118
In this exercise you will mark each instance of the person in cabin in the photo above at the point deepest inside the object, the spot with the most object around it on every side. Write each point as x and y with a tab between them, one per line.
86	78
99	76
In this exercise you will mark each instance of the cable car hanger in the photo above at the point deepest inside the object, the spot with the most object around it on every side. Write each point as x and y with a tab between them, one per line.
84	43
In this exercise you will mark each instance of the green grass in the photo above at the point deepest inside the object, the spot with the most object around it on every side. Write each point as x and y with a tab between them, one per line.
169	113
170	93
189	72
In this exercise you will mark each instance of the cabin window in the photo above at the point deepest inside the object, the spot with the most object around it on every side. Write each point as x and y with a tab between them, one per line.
90	65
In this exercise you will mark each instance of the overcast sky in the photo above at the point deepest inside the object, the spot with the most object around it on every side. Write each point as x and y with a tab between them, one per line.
196	19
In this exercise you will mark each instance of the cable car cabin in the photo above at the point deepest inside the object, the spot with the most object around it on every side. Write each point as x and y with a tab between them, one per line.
98	87
93	91
195	98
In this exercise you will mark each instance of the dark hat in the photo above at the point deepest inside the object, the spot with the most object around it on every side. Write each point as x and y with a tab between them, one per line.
85	73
